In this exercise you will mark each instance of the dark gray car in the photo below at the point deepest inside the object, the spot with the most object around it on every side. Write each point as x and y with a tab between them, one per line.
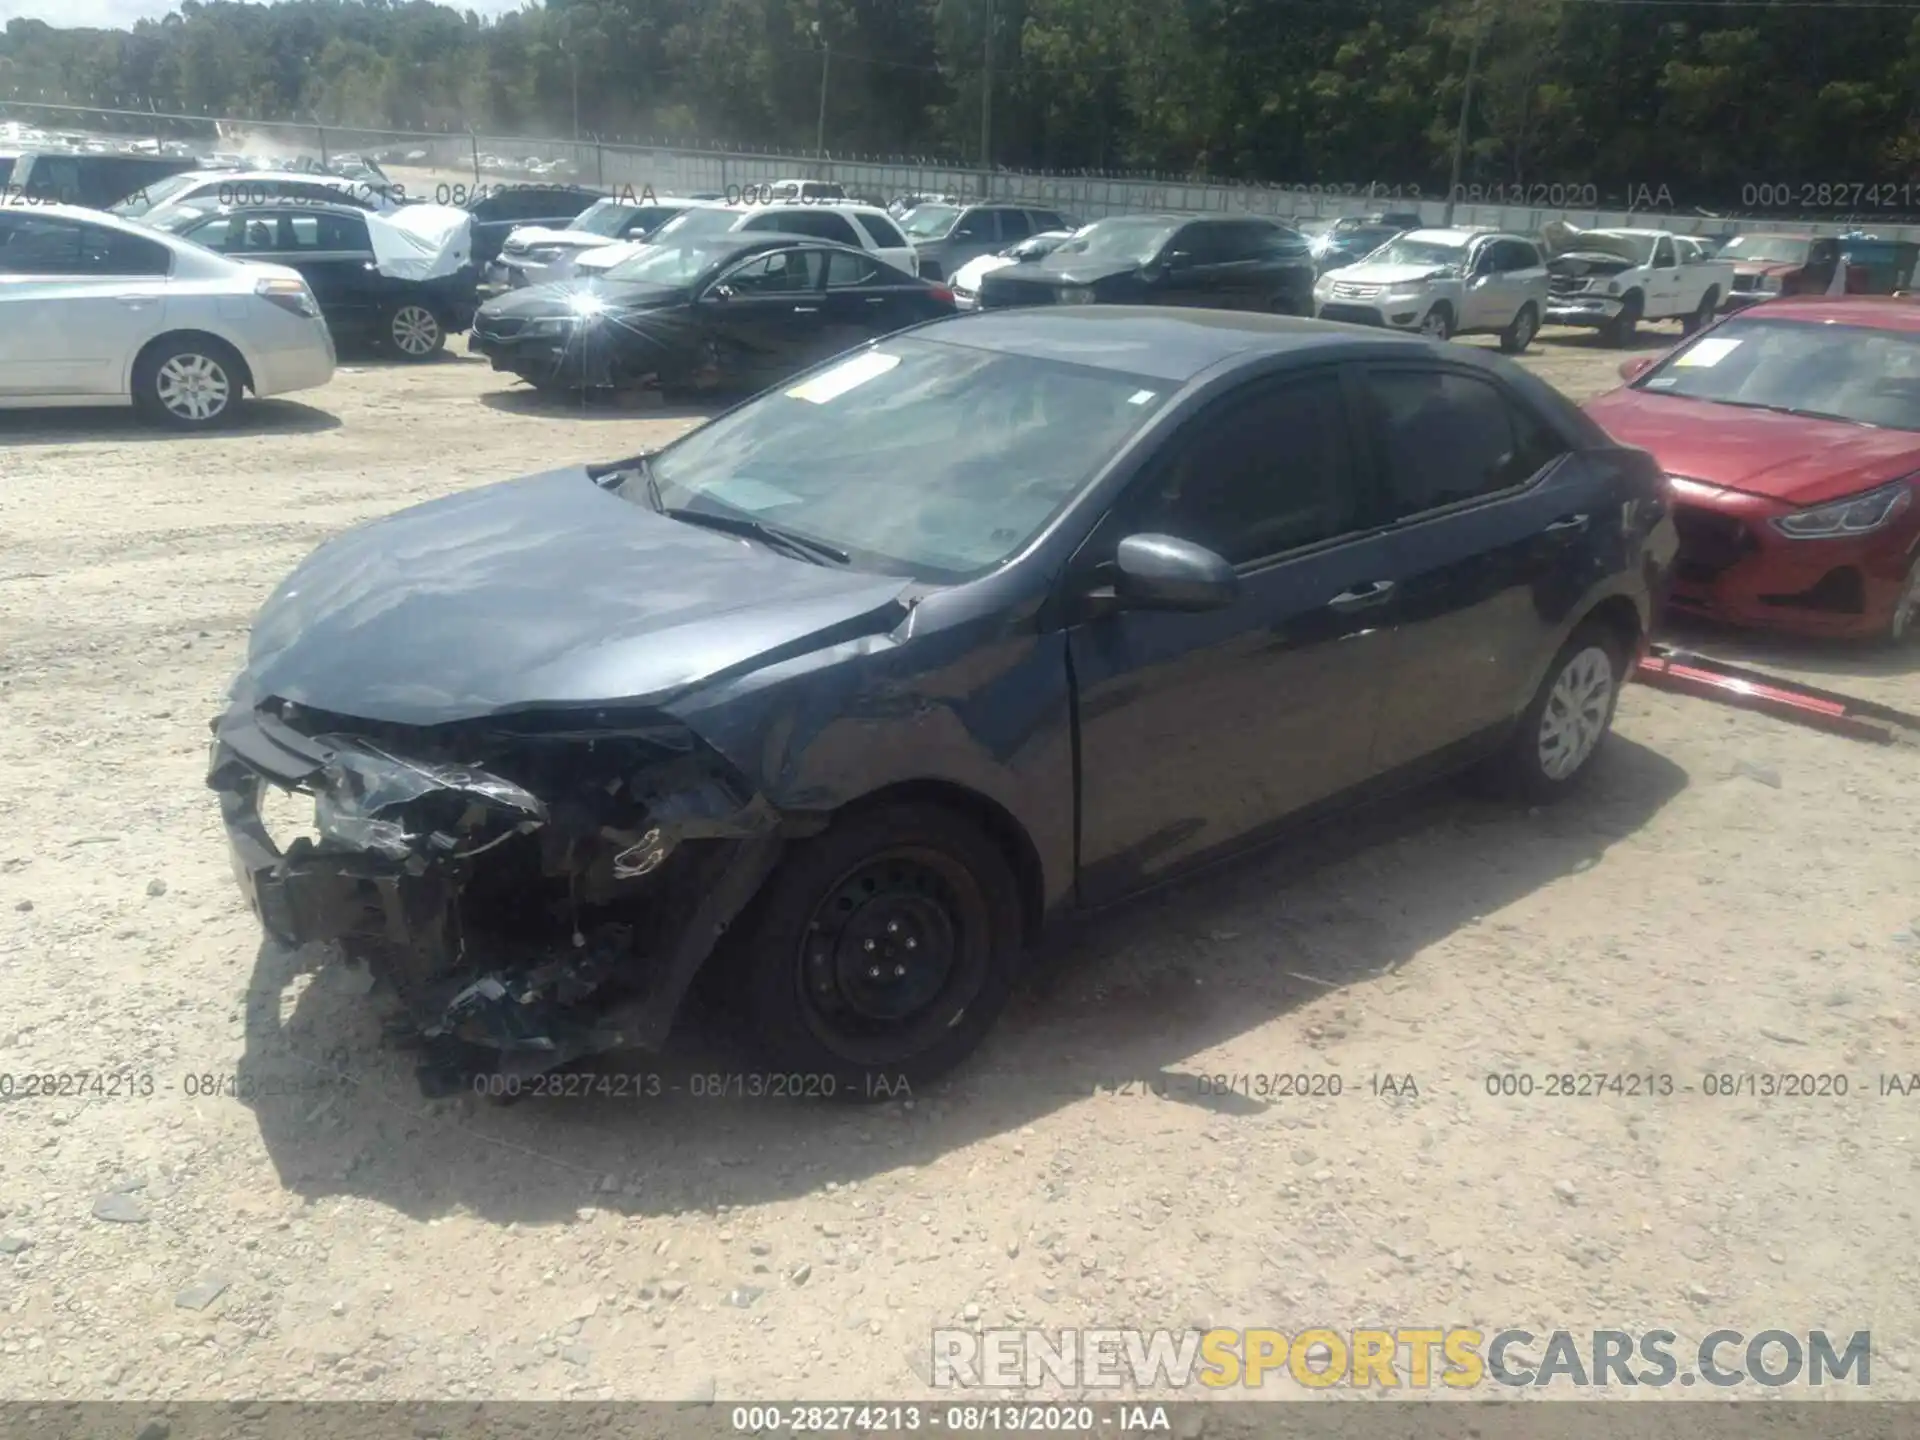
948	236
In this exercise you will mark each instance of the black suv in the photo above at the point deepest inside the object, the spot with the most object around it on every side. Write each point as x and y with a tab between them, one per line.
505	208
948	236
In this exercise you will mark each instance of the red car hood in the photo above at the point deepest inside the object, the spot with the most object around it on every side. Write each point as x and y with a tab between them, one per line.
1784	457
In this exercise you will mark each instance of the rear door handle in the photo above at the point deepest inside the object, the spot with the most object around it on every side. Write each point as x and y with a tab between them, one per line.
1567	525
876	299
1362	597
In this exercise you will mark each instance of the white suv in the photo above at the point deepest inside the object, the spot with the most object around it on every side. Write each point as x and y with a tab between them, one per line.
1443	283
865	227
96	310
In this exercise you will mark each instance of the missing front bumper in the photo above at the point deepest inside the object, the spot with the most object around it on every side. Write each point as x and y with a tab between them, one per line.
527	931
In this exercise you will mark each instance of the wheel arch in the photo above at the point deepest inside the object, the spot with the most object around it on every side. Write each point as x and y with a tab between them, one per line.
198	335
998	823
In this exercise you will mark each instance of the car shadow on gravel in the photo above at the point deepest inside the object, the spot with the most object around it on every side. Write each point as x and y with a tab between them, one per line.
1124	1003
119	425
595	405
1573	337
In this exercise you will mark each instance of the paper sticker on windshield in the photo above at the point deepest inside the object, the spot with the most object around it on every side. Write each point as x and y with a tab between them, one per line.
832	384
1708	352
1140	397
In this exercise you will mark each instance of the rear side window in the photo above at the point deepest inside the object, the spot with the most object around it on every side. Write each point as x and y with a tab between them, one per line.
46	245
886	235
846	271
1447	437
6	168
821	224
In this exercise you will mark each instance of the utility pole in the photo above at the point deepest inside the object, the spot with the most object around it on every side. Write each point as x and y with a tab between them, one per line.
986	106
1466	104
820	129
566	49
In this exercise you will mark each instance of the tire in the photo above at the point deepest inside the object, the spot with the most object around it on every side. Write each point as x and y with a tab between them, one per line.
1903	625
1518	335
937	980
1438	324
1703	316
413	332
188	383
1552	748
1624	326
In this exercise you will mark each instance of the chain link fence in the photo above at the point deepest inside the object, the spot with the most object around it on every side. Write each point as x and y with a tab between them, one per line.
433	163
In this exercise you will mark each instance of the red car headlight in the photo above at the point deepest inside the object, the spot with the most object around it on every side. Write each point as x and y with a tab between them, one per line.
1856	515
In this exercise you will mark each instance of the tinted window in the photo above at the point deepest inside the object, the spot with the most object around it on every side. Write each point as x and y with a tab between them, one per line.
974	225
45	245
1208	244
1046	220
1448	437
844	271
1663	254
782	273
342	232
1263	472
884	232
821	224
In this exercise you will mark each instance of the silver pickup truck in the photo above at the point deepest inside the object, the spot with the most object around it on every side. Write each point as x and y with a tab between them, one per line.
1444	283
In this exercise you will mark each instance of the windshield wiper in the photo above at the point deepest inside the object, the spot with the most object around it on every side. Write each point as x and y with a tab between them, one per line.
801	547
1796	410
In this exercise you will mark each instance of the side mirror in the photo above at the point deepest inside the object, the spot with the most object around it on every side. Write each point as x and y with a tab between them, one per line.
1160	572
719	292
1177	260
1633	369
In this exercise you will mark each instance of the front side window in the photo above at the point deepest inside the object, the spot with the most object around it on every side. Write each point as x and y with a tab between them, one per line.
885	233
1261	473
917	458
1448	437
785	272
46	245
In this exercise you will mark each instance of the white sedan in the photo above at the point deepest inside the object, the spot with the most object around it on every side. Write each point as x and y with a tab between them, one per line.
95	310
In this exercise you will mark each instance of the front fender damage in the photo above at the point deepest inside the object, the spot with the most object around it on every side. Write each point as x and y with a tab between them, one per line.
533	894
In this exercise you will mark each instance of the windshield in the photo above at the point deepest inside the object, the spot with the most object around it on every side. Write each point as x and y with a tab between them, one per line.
916	458
1038	247
1432	254
1636	248
1844	372
1122	239
1768	249
603	217
929	222
144	199
670	264
696	223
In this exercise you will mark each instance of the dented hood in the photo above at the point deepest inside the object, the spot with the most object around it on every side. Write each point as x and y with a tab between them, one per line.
544	591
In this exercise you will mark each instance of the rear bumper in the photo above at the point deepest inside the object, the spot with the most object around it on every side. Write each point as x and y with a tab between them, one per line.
303	360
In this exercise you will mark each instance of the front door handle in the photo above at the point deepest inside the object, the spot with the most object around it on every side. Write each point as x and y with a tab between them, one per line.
1567	525
876	299
1362	597
806	309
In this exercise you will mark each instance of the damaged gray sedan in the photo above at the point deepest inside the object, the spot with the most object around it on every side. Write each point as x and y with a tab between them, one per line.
843	698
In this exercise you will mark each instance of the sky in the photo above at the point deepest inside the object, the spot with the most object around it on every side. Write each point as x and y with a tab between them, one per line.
120	14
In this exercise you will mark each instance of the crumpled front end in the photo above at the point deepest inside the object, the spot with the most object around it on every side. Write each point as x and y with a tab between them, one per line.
534	890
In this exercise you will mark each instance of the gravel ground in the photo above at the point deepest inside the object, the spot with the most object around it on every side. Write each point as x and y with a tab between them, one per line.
1733	895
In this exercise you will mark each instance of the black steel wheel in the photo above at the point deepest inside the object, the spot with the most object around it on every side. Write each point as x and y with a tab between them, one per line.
882	950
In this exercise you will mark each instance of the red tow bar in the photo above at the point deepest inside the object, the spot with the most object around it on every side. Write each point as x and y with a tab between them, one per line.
1688	673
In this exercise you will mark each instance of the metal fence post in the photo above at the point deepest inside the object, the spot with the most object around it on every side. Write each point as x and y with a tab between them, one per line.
321	132
474	141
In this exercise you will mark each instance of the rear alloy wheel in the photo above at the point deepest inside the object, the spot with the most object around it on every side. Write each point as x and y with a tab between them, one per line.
1438	324
1904	623
415	332
881	951
1553	746
188	386
1517	336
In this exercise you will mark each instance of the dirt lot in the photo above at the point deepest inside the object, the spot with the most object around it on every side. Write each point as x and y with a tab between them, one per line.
1734	895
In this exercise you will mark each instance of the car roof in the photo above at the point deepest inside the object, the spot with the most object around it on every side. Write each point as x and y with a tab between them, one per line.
1871	312
1163	342
1450	235
283	207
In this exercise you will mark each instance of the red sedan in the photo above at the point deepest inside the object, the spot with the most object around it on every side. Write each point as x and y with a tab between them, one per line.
1791	435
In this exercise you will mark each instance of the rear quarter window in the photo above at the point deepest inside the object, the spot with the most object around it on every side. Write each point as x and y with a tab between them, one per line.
886	235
